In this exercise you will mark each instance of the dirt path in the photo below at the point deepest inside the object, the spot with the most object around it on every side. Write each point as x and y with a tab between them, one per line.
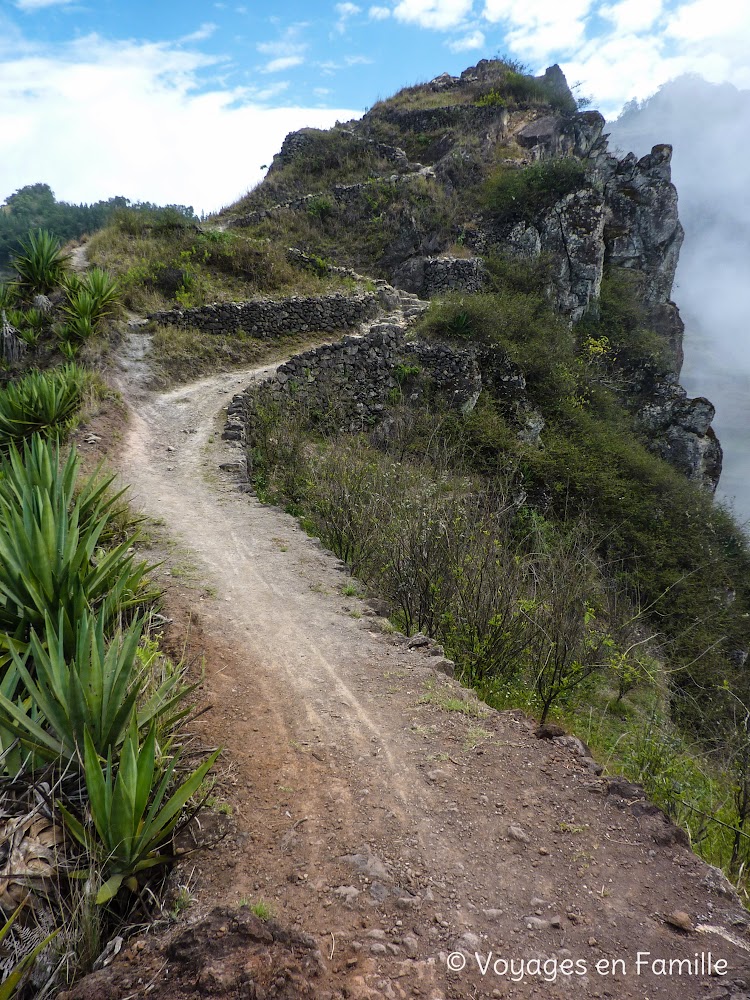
393	830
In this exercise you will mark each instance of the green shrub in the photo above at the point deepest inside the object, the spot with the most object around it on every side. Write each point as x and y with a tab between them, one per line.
51	560
40	265
40	403
320	207
492	99
519	194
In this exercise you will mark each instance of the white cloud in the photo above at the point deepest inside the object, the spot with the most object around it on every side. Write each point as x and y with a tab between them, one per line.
345	11
698	36
474	40
632	15
379	13
287	51
538	27
200	34
282	63
96	118
440	14
40	4
330	66
709	19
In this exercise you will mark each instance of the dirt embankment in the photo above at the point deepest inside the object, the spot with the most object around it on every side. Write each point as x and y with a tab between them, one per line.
397	828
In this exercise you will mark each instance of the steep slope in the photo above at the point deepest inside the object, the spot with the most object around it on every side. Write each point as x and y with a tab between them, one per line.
491	163
409	840
700	119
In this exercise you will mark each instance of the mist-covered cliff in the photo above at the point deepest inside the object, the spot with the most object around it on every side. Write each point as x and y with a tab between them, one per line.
708	126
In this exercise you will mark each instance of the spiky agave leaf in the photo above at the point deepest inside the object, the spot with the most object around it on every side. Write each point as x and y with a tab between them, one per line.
51	559
132	822
43	402
41	263
95	691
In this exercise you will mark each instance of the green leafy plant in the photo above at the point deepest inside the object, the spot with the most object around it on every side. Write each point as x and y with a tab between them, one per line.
8	295
104	290
517	194
96	690
41	263
69	348
492	99
40	402
51	560
133	824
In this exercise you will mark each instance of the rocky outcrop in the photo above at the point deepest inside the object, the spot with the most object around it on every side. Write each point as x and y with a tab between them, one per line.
643	231
622	217
643	234
557	135
679	431
570	235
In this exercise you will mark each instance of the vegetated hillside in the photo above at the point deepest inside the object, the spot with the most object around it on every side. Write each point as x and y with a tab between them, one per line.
699	118
535	422
34	206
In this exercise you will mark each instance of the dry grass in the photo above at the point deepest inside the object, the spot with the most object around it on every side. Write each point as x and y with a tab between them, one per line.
188	267
182	354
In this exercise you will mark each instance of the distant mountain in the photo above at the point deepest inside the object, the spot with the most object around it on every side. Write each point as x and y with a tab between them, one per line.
709	127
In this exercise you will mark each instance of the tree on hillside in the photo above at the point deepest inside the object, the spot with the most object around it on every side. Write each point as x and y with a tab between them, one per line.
35	207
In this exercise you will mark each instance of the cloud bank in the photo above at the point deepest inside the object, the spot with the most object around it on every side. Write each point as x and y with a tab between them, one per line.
98	118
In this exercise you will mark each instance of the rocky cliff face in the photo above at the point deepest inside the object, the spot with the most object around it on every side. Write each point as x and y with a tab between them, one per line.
440	142
625	217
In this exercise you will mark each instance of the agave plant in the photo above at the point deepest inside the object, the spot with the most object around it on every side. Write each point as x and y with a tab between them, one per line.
68	345
40	402
41	263
37	466
104	289
51	562
96	690
130	835
89	300
8	295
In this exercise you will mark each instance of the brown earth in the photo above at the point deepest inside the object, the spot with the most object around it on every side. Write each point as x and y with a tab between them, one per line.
388	818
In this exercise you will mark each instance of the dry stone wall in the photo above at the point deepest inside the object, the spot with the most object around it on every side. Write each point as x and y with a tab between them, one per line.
275	317
347	382
430	276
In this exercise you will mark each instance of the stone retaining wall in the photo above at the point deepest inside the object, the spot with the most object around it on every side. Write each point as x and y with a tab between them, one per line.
274	317
349	381
429	276
468	116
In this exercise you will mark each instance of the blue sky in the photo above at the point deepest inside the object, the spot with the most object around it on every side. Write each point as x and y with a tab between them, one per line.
185	101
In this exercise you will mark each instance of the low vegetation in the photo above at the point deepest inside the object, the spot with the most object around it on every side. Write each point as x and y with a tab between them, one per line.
168	261
519	194
180	354
583	578
35	207
94	780
504	82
